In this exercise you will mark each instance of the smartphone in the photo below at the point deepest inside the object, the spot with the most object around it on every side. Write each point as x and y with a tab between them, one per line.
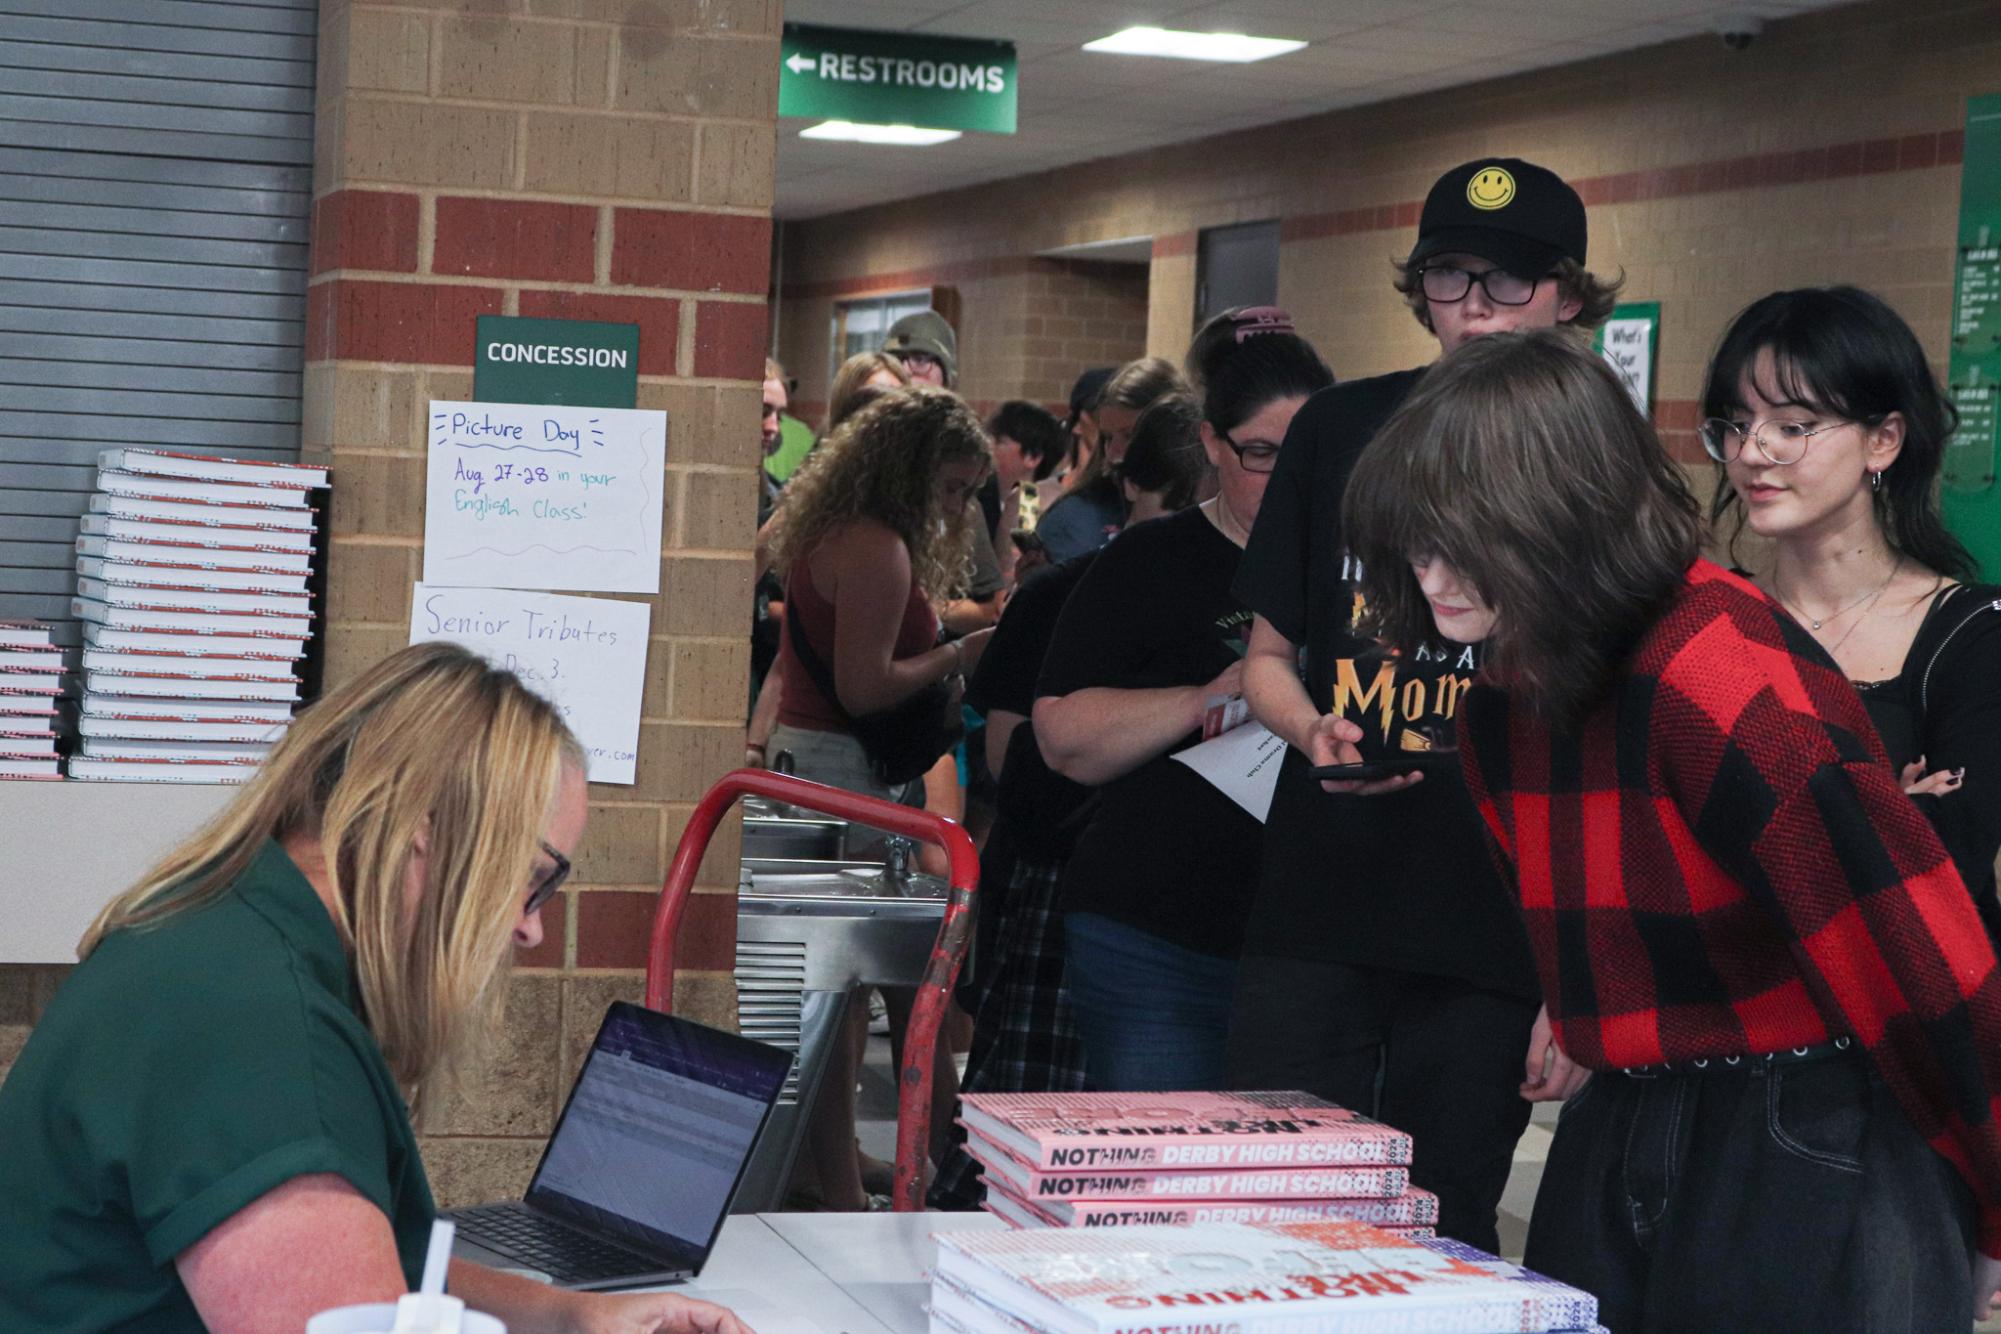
1368	771
1394	765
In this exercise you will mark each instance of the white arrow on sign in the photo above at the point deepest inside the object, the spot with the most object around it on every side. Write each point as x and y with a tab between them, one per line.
800	64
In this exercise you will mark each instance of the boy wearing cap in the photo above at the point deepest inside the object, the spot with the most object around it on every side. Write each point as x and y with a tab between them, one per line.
924	342
1385	965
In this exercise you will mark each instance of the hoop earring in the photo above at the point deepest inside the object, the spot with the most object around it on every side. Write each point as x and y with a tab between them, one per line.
1876	479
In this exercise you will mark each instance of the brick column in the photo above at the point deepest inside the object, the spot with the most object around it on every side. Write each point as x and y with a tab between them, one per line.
592	167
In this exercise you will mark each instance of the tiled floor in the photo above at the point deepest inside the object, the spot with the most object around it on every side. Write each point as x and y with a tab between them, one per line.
877	1110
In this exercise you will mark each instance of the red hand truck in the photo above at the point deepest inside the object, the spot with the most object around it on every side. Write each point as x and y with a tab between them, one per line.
913	1103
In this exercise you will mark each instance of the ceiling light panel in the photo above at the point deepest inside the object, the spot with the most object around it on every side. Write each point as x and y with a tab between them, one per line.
1232	47
904	136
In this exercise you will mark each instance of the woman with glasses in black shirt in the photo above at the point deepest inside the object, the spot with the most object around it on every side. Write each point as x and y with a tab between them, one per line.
1157	890
1830	433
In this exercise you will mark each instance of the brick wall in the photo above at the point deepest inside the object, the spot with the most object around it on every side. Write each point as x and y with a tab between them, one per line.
607	162
1026	325
1827	152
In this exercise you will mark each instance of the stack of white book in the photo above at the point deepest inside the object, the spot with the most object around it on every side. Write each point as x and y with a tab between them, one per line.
30	680
1268	1278
191	583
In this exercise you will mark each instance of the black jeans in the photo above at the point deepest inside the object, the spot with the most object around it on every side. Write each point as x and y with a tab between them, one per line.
1748	1197
1438	1059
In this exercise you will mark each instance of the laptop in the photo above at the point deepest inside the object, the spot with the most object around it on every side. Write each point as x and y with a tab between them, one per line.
638	1177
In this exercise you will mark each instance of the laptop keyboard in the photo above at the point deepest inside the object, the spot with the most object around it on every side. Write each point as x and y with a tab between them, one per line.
562	1252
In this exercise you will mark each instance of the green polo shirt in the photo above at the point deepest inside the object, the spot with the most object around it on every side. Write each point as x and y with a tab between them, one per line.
182	1072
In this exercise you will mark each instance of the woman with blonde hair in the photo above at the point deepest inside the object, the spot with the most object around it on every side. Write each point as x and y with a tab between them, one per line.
860	373
210	1126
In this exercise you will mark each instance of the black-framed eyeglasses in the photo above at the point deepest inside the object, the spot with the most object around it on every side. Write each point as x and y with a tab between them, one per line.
1254	457
1447	283
1784	443
545	888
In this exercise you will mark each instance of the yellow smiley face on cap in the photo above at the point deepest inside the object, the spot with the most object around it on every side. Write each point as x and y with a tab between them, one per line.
1490	188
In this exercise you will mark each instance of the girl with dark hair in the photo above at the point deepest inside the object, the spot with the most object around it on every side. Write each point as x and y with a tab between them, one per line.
1830	432
1025	1037
1091	509
1158	887
1784	1015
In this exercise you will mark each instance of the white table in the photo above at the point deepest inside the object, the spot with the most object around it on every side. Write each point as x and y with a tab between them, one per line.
880	1261
837	1273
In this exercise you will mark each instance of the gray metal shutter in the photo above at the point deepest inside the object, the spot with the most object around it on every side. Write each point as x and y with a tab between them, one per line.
155	187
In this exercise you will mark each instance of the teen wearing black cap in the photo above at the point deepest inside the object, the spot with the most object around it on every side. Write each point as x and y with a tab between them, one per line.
1384	966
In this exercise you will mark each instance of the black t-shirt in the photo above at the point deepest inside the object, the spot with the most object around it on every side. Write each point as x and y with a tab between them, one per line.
1945	705
1166	852
1041	809
990	507
1398	881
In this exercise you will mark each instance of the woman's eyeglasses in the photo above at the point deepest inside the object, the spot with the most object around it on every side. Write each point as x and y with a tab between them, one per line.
1784	443
1255	457
1446	284
551	881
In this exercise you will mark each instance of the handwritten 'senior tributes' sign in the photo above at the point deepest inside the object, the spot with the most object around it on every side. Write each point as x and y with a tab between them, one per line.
897	78
527	495
587	656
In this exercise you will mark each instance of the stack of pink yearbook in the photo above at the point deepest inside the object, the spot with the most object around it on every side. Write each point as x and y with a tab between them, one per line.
30	681
192	586
1127	1159
1238	1278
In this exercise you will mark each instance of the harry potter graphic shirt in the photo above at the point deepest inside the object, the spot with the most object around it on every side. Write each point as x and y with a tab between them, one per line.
1400	881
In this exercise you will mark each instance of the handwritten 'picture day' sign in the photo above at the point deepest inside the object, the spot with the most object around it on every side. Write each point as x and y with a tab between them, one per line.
544	496
587	656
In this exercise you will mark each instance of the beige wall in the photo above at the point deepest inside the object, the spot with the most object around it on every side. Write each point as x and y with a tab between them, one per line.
1827	152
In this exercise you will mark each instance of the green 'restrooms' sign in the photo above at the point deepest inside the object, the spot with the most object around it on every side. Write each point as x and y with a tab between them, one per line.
897	78
1971	501
580	363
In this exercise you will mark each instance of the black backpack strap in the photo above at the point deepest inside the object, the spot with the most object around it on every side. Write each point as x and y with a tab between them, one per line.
815	665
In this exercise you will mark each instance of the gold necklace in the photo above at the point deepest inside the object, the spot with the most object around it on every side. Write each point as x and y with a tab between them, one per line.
1815	625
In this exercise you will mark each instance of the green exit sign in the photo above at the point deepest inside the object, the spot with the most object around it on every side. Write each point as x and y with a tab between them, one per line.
897	78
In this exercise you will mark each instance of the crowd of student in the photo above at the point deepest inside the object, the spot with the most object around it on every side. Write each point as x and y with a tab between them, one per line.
1567	811
1722	873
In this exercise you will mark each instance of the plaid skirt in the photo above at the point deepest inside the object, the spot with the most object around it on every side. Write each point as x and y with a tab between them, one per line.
1024	1036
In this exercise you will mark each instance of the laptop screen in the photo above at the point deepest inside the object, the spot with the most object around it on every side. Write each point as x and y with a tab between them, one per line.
658	1129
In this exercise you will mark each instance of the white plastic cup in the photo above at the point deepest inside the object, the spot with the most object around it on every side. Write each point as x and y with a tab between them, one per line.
380	1318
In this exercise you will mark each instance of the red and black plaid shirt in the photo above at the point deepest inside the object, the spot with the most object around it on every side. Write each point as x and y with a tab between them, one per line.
1719	861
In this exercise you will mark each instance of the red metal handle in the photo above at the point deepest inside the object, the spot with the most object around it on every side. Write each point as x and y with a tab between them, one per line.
913	1098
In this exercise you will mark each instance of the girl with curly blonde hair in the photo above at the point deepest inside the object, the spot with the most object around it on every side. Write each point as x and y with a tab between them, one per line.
903	466
875	531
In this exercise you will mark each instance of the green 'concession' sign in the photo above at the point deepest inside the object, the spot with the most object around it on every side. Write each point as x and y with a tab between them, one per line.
581	363
897	78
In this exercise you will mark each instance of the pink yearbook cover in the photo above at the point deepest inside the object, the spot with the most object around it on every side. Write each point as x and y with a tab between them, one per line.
1341	1181
1127	1132
1328	1278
